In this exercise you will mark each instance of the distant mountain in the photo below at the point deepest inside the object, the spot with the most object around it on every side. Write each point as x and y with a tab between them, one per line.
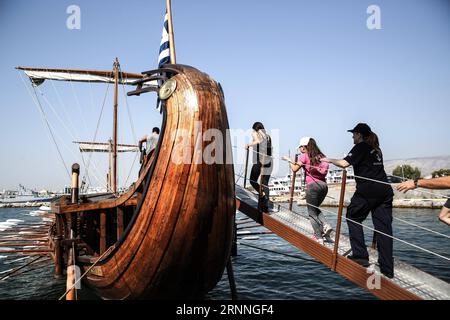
426	165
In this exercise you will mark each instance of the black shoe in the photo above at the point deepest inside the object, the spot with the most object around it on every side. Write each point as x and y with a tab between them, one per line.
263	204
361	261
387	274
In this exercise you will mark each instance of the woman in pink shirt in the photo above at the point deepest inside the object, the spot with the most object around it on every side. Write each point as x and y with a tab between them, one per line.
316	186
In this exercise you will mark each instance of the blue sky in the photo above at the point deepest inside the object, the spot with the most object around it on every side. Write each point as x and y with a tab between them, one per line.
303	67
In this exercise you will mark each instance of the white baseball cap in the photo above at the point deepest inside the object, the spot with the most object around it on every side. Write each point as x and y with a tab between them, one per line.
304	141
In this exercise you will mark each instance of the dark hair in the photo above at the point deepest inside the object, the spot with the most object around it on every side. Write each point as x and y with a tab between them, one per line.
156	129
314	152
258	126
372	140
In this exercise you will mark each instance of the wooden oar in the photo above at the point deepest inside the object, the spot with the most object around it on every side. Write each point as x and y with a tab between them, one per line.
32	269
26	250
20	268
22	239
6	245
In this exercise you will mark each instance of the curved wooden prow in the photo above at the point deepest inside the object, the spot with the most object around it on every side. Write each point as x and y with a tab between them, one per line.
179	239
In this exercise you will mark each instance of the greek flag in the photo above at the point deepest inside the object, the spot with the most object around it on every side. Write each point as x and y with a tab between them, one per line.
164	49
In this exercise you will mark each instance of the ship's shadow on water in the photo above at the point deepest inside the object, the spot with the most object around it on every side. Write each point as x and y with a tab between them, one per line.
264	274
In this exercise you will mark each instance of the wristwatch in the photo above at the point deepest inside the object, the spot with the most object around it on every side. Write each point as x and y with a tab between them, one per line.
416	181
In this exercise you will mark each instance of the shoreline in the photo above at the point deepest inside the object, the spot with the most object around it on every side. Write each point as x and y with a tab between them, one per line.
397	203
30	204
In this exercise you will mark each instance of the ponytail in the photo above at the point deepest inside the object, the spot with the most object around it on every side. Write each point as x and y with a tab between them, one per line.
372	140
314	152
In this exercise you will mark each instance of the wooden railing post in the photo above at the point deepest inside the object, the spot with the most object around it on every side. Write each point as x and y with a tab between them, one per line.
102	231
119	222
71	259
75	176
291	199
246	167
58	259
339	220
71	294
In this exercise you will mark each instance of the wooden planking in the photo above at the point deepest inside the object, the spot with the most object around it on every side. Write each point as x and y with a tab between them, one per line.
102	231
119	222
158	235
208	203
349	269
59	207
111	286
176	209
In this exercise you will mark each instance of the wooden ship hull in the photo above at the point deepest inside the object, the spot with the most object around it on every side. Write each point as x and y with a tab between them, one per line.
170	235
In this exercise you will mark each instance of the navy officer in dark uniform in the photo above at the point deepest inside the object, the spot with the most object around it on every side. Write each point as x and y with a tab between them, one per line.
370	196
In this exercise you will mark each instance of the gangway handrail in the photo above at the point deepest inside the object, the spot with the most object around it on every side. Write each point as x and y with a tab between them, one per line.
374	180
367	227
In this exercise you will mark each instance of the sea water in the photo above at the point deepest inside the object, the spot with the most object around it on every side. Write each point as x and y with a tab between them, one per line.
262	269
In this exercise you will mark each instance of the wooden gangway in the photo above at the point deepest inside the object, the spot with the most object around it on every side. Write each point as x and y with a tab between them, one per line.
409	283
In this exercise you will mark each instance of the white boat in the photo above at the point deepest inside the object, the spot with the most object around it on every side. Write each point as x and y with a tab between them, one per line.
282	186
335	175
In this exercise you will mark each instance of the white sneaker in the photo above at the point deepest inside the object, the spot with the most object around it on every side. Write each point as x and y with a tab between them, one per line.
327	230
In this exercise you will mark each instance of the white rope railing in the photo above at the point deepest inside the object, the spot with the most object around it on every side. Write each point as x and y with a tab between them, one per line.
406	222
377	231
367	227
356	176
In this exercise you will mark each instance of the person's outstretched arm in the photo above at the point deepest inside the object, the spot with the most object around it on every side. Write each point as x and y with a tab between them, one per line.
337	162
256	140
436	183
295	166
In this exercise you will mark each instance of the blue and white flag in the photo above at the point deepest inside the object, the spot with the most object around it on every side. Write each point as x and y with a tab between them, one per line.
164	49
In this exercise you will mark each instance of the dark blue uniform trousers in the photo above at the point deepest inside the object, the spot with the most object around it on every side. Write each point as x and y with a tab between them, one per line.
381	209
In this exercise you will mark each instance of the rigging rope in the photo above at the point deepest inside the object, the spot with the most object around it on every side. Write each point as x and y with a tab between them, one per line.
39	106
78	102
69	120
98	125
85	125
131	125
87	271
61	102
64	125
86	166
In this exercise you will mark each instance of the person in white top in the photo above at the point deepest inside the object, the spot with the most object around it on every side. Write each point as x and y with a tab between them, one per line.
151	141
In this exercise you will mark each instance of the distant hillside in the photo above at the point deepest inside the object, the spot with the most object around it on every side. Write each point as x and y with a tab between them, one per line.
426	165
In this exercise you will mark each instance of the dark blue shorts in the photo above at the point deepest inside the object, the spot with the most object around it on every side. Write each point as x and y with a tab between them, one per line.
447	204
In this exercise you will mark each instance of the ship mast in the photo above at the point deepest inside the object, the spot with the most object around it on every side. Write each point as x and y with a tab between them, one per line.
173	58
116	86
